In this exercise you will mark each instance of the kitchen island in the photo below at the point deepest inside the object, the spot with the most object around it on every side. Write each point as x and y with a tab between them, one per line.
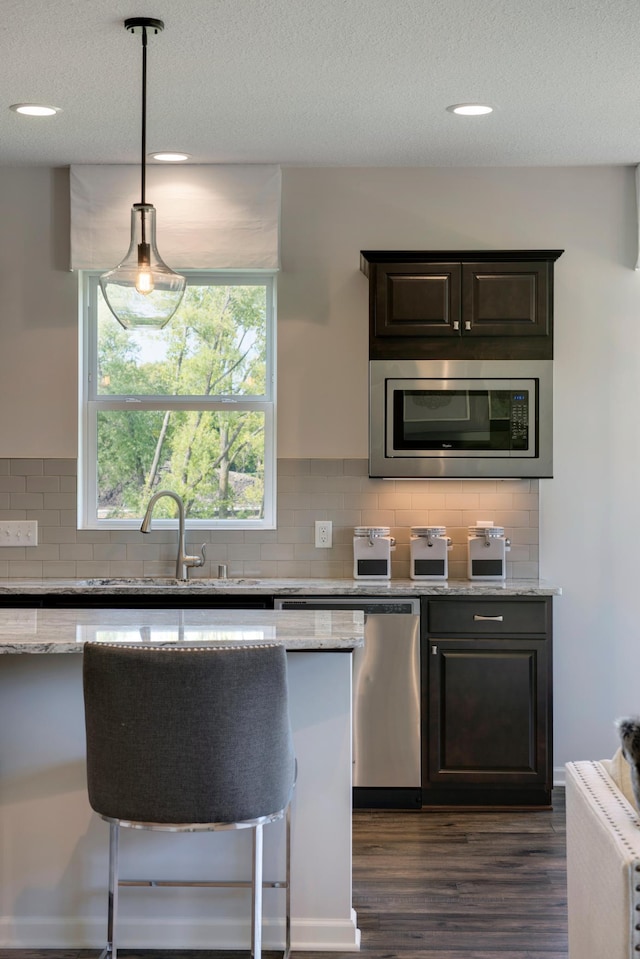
53	848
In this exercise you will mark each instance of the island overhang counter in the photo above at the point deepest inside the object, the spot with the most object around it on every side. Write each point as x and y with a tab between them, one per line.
53	848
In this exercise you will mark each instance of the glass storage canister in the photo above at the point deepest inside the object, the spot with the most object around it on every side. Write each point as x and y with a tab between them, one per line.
372	546
487	551
429	546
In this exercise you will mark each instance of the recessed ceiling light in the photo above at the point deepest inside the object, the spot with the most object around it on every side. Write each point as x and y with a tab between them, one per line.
166	157
34	109
469	109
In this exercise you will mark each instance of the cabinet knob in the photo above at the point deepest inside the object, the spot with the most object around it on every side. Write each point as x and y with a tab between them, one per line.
467	324
456	324
434	650
484	619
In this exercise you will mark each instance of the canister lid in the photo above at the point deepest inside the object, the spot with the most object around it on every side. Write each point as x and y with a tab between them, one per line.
372	531
492	531
428	530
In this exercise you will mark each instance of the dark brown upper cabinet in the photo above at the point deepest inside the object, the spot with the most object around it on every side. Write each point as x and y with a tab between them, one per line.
491	304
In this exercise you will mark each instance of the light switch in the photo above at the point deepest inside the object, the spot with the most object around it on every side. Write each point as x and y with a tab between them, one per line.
19	532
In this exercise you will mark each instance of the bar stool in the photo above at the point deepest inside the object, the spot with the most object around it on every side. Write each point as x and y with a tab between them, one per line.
189	739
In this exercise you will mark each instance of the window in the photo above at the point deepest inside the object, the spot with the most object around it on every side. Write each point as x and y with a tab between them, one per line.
189	408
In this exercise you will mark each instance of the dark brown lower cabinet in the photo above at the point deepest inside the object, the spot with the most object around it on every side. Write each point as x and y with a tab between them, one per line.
487	701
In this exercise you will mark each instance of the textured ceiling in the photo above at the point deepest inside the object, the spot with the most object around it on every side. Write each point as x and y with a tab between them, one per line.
329	82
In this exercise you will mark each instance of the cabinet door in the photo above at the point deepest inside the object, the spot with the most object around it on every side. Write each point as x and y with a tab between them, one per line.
506	299
488	712
416	299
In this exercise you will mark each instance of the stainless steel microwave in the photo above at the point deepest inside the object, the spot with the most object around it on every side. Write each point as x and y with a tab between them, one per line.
460	418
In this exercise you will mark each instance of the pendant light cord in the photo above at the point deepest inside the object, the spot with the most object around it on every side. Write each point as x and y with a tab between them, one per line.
143	169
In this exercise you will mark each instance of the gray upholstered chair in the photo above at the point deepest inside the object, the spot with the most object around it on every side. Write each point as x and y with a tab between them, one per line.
183	738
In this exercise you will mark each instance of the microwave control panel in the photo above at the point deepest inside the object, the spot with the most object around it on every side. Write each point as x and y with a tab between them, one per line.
519	421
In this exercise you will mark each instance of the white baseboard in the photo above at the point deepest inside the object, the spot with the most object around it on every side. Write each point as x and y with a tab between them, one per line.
559	777
326	935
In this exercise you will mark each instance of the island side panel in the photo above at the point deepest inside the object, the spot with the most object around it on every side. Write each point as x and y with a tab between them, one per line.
321	709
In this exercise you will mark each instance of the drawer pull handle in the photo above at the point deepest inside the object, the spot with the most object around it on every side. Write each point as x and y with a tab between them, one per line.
484	619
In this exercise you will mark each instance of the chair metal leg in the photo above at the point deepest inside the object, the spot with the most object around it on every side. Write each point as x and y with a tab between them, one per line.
111	949
256	894
287	853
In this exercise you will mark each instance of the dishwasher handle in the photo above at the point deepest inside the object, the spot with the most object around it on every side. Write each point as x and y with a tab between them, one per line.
372	605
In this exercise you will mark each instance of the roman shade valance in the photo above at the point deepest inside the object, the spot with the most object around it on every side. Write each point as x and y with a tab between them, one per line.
209	217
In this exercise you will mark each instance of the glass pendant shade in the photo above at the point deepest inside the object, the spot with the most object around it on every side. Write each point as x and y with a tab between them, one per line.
142	292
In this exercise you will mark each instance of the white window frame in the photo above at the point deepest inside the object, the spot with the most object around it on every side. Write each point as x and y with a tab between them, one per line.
90	403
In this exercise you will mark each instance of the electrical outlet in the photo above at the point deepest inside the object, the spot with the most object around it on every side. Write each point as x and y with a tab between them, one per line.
323	533
19	532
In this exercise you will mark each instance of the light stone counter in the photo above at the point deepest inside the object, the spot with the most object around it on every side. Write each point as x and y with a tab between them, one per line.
36	630
277	587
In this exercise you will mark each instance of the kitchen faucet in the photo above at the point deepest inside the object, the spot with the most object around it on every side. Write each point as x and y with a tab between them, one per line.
183	562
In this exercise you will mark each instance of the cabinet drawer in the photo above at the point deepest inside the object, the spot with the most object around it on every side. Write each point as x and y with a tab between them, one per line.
482	617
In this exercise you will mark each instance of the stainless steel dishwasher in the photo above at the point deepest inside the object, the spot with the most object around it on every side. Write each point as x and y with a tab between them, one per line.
386	699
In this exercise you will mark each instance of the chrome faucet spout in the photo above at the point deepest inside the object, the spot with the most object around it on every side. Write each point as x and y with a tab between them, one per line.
183	561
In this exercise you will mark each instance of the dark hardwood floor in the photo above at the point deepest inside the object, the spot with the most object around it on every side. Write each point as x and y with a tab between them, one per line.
442	885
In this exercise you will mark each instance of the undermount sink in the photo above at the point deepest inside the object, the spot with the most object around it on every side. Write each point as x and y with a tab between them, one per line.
160	582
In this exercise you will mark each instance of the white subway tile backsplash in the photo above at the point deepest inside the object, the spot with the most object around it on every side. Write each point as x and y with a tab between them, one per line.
45	551
57	534
15	553
13	484
354	467
24	467
365	501
76	551
58	570
394	501
277	551
25	570
308	489
59	501
60	467
43	484
326	467
378	517
293	467
427	501
110	551
463	501
90	535
26	500
525	500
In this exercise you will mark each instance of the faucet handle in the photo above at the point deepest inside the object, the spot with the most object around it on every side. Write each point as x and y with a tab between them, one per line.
197	560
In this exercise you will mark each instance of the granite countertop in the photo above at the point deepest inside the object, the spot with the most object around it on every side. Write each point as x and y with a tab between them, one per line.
279	587
24	630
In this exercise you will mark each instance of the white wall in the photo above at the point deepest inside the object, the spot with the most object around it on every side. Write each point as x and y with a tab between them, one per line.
38	316
590	512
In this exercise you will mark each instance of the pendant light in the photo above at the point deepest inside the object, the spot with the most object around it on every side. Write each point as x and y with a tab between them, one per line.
142	292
